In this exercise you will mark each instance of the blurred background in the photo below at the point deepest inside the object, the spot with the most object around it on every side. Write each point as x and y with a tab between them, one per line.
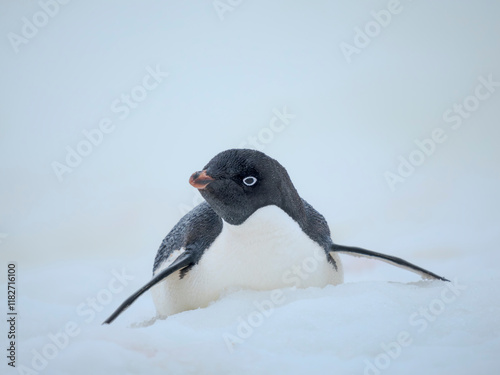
174	83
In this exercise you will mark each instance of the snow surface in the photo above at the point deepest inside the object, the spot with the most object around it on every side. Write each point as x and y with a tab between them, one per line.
336	329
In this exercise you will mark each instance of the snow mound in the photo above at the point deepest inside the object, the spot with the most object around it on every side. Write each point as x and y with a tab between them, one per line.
354	328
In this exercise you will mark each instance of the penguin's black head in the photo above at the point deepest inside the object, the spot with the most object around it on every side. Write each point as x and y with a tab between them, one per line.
237	182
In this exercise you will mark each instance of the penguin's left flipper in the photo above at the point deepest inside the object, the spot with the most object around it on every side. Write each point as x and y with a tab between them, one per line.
398	262
186	259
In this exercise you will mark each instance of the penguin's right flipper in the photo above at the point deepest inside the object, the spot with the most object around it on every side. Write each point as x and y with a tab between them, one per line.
195	232
184	260
398	262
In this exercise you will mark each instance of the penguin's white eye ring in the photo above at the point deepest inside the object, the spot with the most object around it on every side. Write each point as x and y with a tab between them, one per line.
249	181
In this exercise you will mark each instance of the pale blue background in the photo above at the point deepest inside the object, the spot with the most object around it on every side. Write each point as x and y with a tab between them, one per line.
352	122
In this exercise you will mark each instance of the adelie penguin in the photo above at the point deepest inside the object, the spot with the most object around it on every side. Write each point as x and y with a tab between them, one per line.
254	231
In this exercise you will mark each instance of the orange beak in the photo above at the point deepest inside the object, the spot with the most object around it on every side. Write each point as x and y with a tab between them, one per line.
200	180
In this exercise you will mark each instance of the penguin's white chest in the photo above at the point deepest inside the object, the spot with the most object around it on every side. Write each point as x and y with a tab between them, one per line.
268	251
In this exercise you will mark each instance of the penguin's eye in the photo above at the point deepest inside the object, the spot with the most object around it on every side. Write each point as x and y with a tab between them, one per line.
249	181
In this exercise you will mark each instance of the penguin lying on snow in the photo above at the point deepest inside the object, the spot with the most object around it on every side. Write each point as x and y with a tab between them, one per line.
254	231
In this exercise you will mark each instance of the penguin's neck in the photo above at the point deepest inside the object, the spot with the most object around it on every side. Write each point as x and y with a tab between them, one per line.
268	219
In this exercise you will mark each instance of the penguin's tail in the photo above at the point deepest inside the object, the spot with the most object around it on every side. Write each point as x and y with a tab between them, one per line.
398	262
